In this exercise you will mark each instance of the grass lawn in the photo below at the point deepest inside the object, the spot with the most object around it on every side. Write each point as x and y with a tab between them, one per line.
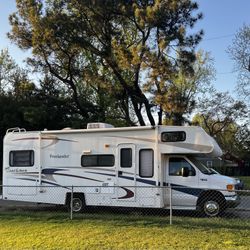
46	230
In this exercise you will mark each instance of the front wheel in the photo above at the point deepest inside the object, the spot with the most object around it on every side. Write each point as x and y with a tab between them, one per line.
212	207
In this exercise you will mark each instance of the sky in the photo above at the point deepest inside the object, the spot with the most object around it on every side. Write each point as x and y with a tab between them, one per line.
222	19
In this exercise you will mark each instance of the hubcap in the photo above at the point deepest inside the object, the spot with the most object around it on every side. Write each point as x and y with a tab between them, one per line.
77	204
211	208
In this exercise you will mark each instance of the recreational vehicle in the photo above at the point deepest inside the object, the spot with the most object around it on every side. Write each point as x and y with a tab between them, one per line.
107	166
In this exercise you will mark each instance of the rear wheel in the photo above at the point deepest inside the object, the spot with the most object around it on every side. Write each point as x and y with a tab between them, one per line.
77	204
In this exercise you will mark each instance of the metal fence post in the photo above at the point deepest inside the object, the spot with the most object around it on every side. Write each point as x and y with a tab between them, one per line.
170	205
71	203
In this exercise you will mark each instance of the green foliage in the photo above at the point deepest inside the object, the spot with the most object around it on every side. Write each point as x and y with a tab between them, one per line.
240	53
32	108
117	43
7	70
177	97
227	120
49	230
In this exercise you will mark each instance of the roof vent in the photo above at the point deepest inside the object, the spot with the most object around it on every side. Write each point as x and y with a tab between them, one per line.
97	125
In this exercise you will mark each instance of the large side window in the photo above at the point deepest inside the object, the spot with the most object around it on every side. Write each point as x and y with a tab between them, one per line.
126	157
21	158
176	164
98	160
146	163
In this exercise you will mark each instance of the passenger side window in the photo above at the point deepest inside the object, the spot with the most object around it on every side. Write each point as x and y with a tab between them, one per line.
176	164
97	160
146	163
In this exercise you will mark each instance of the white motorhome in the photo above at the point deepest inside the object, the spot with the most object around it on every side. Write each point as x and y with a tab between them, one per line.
110	166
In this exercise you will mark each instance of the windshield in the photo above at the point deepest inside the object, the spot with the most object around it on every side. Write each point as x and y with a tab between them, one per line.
200	166
214	171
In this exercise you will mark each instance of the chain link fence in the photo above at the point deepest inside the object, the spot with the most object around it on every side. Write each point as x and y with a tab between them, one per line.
172	202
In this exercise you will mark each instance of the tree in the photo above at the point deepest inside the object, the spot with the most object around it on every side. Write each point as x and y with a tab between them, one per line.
53	108
218	110
226	120
243	142
240	53
7	68
176	98
111	102
131	39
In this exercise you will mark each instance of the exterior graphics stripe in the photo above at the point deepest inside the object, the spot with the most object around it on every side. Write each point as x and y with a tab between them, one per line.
128	195
191	146
185	189
149	182
46	182
77	176
53	140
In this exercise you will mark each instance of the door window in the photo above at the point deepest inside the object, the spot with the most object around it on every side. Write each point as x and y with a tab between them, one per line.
126	157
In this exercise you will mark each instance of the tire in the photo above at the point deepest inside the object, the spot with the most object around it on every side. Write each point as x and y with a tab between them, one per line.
78	203
212	206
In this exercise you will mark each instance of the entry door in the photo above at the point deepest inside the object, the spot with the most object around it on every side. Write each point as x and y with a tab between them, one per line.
184	189
126	172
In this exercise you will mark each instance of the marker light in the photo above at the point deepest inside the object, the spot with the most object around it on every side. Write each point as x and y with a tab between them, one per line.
230	187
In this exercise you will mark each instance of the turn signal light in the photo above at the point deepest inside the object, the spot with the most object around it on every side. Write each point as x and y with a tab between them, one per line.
230	187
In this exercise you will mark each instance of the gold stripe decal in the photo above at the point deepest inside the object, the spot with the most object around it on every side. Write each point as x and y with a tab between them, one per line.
195	147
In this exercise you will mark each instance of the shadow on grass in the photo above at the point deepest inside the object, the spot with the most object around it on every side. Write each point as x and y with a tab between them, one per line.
125	217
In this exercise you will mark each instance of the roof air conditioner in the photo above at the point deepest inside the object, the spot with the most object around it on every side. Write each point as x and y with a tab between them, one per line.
97	125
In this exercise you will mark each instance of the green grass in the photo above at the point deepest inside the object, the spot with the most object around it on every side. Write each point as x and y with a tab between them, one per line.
46	230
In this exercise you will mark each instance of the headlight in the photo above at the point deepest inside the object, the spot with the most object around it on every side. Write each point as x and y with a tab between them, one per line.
230	187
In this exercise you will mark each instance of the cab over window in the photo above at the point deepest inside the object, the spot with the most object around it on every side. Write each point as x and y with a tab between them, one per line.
173	136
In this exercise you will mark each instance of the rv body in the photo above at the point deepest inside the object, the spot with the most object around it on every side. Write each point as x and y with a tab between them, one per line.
114	167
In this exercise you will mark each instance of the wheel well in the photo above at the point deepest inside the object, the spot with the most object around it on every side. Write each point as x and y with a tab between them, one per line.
212	194
75	195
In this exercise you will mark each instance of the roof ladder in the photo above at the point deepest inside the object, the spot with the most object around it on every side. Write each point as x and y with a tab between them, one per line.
15	130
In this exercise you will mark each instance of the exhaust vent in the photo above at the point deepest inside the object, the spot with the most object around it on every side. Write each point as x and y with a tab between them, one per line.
97	125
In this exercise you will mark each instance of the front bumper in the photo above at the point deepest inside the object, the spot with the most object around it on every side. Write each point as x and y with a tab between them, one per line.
232	201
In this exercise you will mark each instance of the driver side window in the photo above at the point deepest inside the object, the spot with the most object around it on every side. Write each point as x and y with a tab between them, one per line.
176	164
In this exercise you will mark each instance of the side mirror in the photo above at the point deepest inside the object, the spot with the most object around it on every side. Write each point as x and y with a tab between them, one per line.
184	172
